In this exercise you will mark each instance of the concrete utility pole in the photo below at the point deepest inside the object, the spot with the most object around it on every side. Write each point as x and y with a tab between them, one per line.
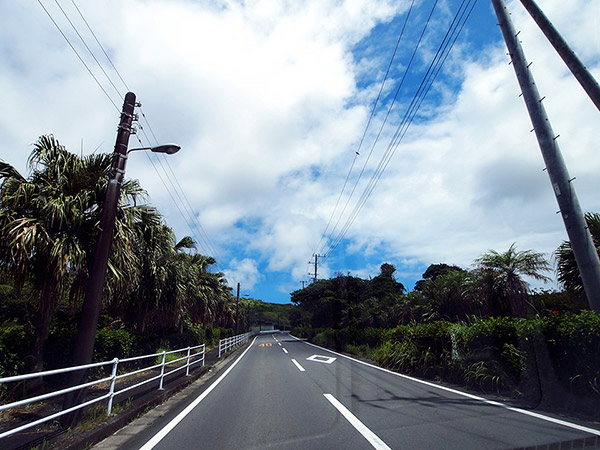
92	302
579	235
579	71
316	256
237	311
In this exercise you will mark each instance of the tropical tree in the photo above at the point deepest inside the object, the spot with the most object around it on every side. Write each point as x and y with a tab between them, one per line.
453	294
566	266
49	223
502	275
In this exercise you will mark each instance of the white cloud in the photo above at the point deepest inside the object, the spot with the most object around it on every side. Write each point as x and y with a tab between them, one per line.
243	271
268	103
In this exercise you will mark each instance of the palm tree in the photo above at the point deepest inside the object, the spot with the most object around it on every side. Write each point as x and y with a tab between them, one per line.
48	226
502	274
566	267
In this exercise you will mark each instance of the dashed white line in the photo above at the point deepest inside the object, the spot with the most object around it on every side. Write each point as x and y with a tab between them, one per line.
300	368
284	350
373	439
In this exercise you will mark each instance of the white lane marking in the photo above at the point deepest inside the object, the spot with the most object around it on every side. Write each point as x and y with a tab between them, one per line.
279	343
284	350
173	423
321	359
373	439
464	394
300	368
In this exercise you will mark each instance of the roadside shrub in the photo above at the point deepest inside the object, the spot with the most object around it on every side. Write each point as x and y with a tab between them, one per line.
59	347
14	340
574	345
111	344
496	339
423	349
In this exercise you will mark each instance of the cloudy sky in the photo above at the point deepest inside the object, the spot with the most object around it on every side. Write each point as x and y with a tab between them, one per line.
270	99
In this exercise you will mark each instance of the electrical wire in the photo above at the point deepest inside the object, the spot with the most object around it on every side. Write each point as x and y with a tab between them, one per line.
435	67
183	204
88	48
357	152
100	45
78	56
376	140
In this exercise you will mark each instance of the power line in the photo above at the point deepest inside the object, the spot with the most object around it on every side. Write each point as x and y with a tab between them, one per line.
185	213
186	205
441	55
176	186
88	48
407	69
100	45
79	56
357	152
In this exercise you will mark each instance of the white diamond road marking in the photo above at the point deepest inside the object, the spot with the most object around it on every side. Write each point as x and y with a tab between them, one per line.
321	359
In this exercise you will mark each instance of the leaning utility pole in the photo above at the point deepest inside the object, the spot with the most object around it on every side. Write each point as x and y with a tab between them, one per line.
92	302
573	218
579	71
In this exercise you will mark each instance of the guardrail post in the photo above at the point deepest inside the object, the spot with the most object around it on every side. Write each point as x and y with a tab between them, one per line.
203	353
219	348
111	389
187	370
162	369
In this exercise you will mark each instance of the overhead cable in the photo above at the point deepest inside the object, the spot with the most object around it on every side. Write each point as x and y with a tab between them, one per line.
357	152
437	63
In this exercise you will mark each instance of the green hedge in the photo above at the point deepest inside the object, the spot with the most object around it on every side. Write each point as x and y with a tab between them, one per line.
515	356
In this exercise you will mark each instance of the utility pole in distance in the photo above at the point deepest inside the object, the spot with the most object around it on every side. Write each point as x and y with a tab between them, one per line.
237	311
316	262
573	218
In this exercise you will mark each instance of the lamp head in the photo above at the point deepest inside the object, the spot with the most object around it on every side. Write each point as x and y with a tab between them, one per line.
169	149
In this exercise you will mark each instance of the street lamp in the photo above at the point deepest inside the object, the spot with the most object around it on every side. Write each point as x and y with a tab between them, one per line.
88	321
169	149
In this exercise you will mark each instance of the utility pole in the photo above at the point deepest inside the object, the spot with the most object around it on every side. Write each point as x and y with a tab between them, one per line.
573	218
92	302
316	262
579	71
237	311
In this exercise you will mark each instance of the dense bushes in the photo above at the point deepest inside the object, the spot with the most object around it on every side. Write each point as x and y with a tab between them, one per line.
520	357
14	338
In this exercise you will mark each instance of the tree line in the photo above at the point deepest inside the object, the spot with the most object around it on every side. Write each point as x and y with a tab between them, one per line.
49	223
481	328
496	287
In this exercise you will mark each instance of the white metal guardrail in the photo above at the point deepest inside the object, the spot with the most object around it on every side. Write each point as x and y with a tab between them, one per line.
192	356
230	342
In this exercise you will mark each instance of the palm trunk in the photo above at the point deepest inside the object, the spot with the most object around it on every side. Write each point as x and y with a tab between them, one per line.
45	313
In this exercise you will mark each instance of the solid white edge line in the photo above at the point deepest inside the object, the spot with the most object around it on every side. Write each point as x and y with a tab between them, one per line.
373	439
173	423
297	364
464	394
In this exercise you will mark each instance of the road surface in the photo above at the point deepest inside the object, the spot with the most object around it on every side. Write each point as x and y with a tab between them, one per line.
287	394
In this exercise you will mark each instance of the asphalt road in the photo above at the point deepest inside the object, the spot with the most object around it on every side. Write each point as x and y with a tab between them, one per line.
286	394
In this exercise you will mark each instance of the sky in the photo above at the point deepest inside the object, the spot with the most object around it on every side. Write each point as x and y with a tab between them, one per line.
270	100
